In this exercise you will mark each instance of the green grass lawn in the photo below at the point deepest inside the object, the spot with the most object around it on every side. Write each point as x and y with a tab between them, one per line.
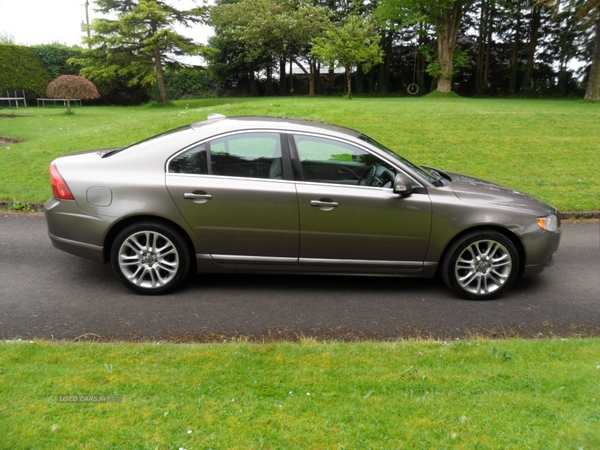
507	394
548	148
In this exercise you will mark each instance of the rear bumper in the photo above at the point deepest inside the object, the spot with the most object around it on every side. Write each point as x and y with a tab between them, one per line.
74	231
88	251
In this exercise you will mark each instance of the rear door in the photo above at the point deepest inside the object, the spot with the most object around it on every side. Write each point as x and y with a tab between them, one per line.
233	193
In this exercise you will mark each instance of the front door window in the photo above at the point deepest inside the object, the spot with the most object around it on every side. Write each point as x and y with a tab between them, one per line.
330	161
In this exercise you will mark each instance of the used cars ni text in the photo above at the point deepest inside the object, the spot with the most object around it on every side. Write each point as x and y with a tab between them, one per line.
278	195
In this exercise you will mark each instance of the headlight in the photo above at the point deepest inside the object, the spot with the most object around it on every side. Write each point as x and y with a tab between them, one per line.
549	223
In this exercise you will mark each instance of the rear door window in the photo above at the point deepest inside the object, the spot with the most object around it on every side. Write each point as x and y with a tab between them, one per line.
251	155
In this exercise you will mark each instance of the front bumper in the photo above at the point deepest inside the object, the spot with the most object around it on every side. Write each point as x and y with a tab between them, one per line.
539	251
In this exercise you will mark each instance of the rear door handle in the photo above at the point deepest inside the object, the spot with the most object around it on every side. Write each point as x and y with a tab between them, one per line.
197	195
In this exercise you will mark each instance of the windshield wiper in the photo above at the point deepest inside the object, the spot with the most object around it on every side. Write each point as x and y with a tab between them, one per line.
439	176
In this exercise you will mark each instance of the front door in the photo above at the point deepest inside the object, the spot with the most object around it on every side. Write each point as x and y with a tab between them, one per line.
349	214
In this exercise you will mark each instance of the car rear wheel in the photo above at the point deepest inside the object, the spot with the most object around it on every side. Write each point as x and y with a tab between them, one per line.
481	265
150	258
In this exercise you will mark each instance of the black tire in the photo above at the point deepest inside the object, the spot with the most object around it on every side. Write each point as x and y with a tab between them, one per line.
481	265
150	257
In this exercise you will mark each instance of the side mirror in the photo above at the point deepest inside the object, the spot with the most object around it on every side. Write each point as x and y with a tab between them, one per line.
402	185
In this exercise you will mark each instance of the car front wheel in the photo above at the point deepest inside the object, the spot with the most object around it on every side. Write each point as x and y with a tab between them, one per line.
150	258
481	265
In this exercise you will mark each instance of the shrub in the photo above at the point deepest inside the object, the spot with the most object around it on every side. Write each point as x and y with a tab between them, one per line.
191	82
55	57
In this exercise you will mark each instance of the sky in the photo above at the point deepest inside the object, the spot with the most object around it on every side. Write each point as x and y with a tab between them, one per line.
32	22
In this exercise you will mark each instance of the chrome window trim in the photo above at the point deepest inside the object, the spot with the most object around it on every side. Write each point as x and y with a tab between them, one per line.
225	177
207	140
295	156
285	152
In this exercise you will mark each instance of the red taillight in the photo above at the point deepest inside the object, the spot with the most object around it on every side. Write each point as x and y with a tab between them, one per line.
59	185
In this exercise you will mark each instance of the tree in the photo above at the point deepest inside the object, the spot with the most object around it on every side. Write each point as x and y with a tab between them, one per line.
306	22
446	16
593	87
72	87
7	38
588	14
534	35
139	43
268	29
484	45
247	39
351	42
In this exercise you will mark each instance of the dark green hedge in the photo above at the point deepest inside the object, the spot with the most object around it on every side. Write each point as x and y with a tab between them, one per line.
21	69
191	82
55	57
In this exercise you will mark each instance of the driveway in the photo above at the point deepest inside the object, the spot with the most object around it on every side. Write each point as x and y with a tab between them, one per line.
45	293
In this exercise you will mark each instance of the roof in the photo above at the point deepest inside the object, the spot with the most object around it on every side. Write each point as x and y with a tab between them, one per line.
280	123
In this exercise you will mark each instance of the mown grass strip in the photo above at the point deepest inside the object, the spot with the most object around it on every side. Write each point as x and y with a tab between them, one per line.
548	148
508	394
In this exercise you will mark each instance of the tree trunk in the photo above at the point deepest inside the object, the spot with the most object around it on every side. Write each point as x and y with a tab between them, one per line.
269	86
421	63
311	78
282	77
360	80
514	63
291	76
484	46
253	85
593	87
528	84
444	84
160	77
562	77
447	35
349	81
309	73
488	57
480	46
69	106
446	59
387	44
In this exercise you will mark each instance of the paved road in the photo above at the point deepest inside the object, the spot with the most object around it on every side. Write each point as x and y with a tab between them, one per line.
45	293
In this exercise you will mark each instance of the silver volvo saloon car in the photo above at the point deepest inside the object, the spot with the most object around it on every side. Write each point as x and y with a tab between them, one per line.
277	195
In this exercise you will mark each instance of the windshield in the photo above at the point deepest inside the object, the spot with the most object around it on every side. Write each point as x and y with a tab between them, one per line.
433	179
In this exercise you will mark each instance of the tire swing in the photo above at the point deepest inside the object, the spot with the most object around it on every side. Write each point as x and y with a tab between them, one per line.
413	88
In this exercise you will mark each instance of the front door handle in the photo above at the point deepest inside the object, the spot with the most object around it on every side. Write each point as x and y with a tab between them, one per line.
325	204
